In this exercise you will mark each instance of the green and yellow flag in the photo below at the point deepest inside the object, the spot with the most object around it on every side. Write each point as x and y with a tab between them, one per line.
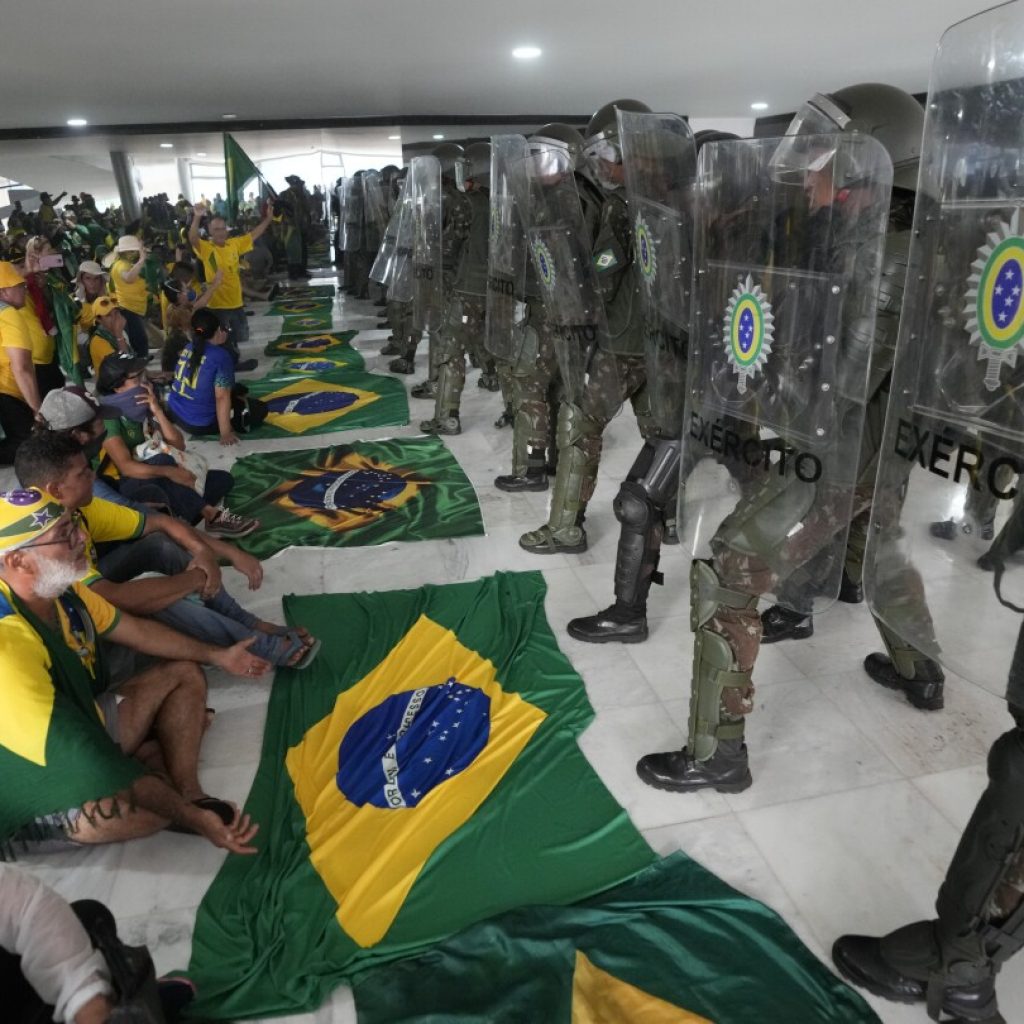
673	945
239	171
302	323
330	362
311	344
367	492
421	776
306	291
339	400
299	306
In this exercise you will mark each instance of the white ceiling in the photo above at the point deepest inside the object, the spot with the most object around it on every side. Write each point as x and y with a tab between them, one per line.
148	61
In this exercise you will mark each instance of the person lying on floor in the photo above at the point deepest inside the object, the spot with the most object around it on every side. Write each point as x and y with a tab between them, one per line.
82	764
122	386
123	543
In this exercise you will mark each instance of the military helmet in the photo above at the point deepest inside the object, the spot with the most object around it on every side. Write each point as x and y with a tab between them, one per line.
886	113
706	135
602	153
561	136
449	154
475	166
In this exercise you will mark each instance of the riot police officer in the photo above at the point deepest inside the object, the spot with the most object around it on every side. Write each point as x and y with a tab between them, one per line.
613	370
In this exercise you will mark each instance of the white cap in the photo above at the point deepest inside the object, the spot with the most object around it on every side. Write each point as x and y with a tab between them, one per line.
91	267
129	243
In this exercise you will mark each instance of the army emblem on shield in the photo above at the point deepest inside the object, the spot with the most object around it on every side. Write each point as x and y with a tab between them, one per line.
647	257
994	304
749	328
545	266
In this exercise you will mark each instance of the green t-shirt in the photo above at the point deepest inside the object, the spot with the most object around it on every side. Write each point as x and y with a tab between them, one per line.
133	434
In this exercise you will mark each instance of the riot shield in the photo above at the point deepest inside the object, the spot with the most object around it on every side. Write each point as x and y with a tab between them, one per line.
384	266
350	204
375	217
944	568
427	225
660	163
560	247
787	246
506	254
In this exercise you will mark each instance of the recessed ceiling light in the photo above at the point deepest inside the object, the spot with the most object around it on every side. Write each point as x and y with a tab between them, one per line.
394	138
229	117
77	122
438	136
167	145
200	154
759	105
526	52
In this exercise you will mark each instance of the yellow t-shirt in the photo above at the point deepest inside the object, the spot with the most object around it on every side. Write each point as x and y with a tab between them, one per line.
130	295
12	335
225	257
27	694
99	349
42	343
103	522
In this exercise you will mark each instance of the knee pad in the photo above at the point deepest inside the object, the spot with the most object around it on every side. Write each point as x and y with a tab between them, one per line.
707	593
574	425
633	506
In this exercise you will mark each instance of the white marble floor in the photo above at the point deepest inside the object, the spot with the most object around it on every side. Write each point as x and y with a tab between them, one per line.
858	799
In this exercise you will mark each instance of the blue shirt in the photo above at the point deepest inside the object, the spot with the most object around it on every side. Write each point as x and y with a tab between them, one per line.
192	398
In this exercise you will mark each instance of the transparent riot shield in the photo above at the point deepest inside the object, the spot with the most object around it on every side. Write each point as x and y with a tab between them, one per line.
350	203
427	225
375	216
660	162
506	255
559	245
384	266
787	245
944	567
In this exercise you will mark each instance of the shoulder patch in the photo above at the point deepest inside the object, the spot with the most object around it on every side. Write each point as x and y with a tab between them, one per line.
605	259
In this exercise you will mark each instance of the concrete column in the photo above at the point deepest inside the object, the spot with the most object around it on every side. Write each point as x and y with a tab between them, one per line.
124	176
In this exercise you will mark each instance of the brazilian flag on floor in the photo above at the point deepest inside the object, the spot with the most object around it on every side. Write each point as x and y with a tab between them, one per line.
310	344
422	777
328	402
303	323
342	358
306	291
301	306
367	492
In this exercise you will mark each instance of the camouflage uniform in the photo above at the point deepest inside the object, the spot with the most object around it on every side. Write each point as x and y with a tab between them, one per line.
616	372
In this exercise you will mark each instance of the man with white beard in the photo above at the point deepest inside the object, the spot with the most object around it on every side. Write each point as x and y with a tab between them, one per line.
80	765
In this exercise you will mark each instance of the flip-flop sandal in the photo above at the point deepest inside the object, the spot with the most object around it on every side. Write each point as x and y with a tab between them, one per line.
221	808
312	650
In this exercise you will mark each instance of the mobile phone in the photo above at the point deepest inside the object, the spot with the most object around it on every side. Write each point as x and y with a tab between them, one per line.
51	261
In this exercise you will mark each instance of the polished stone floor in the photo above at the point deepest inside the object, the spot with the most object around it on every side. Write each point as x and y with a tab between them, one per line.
858	799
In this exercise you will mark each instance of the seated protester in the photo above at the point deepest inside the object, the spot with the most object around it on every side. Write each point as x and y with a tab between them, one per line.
108	335
122	543
182	302
131	291
74	763
183	273
63	961
19	392
122	385
204	398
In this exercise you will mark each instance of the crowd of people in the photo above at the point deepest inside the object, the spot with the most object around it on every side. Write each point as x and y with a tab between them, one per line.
110	583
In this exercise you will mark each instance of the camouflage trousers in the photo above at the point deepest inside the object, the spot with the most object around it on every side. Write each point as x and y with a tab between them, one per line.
536	386
462	333
795	561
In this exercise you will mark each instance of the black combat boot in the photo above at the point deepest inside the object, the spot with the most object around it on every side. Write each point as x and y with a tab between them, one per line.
778	623
617	624
726	771
924	689
535	479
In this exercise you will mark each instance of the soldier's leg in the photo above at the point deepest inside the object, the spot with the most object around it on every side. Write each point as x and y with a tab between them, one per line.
428	388
451	372
580	432
951	962
506	384
408	341
532	433
644	496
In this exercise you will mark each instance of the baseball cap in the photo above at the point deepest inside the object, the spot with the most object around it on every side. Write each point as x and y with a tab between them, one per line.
25	515
91	267
9	276
116	369
103	305
72	406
